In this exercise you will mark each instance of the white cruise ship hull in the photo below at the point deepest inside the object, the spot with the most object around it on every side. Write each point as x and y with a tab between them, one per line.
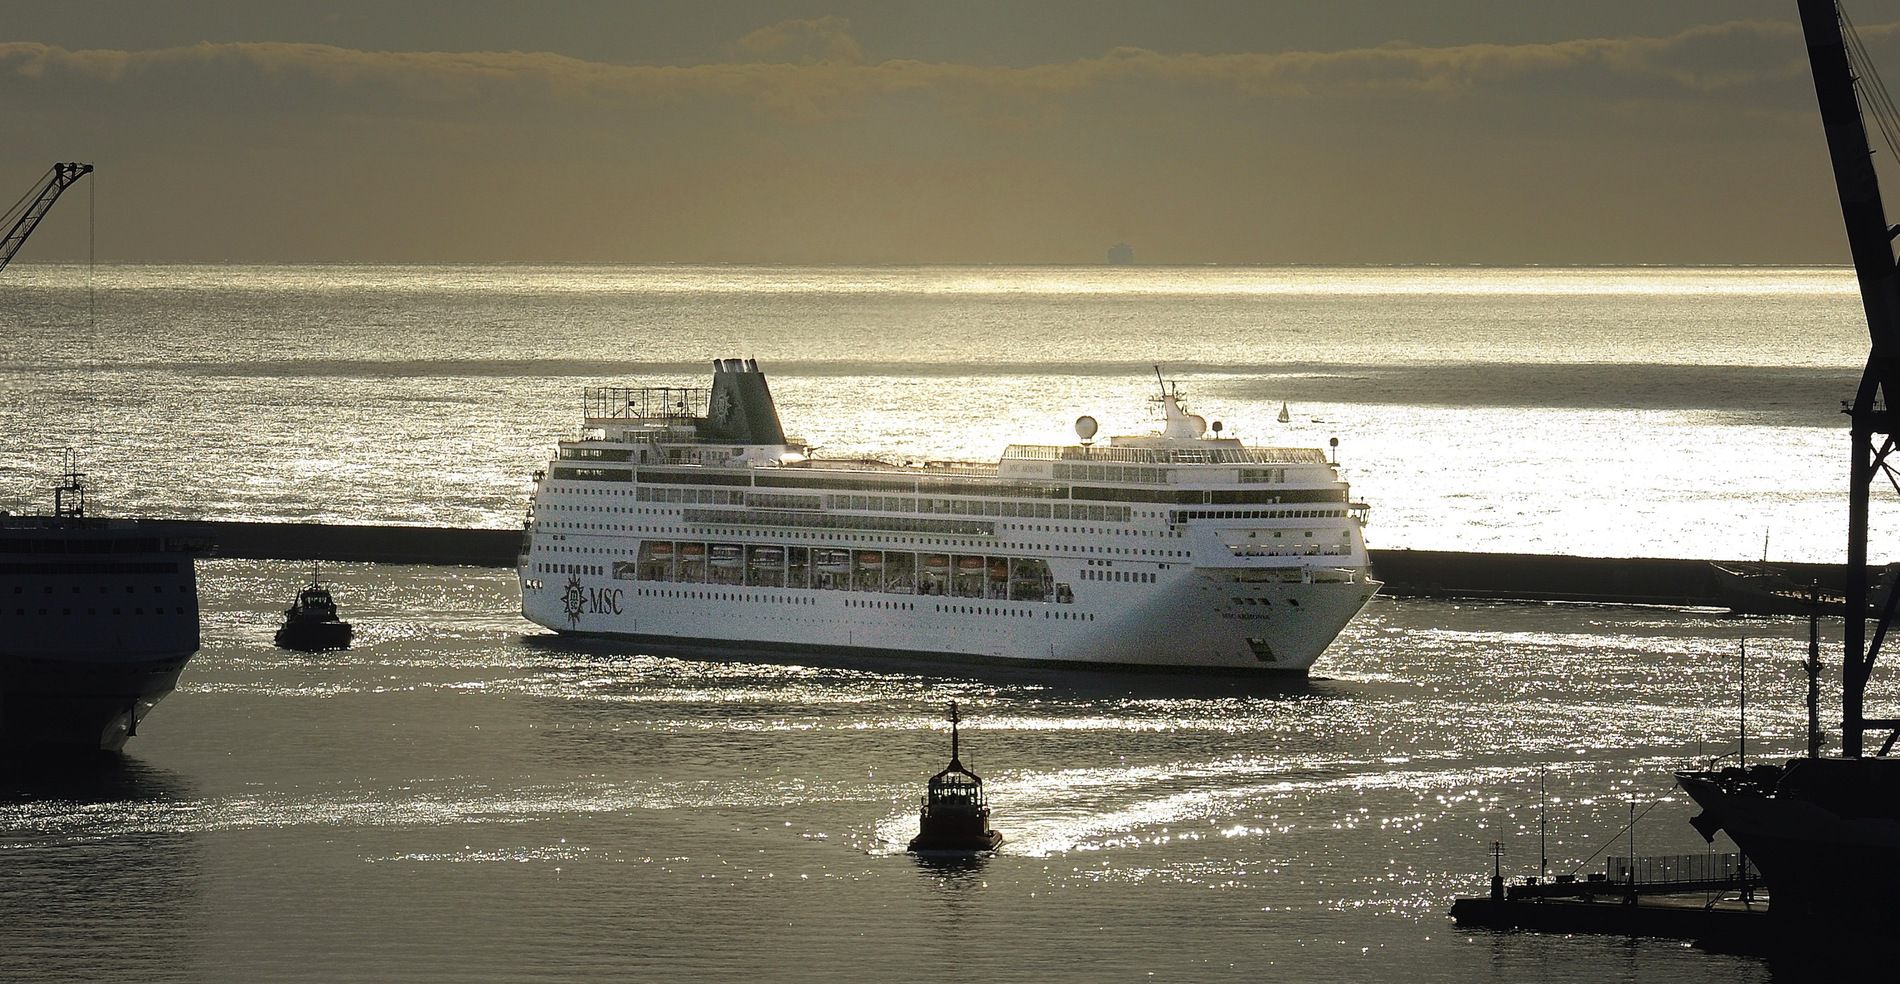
1197	621
685	517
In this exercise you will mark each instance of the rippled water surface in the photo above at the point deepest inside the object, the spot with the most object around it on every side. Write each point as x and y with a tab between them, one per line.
464	798
1640	412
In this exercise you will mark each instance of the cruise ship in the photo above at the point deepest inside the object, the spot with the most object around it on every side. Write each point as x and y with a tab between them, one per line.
97	619
684	516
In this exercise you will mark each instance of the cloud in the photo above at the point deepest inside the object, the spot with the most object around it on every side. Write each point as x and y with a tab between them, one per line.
1699	146
813	69
822	39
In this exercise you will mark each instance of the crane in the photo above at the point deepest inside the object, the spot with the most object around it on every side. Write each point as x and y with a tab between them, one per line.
1871	427
33	206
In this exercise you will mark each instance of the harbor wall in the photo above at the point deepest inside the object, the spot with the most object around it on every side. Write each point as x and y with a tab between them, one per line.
1553	577
347	542
1406	573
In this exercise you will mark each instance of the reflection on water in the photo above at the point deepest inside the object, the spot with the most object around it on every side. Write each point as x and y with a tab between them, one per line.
81	905
462	798
444	388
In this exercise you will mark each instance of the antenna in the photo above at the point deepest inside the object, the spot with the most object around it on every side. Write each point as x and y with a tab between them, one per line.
1497	871
953	730
75	485
1814	669
1543	856
1632	865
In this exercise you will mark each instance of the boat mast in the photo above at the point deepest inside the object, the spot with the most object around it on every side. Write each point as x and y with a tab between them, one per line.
1870	242
953	731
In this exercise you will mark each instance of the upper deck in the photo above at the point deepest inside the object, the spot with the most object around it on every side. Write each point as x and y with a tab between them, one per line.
84	535
730	434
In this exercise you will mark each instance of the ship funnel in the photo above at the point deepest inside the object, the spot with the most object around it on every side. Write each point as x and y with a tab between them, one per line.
740	410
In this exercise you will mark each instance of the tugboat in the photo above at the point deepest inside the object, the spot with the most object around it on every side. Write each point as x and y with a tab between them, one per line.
955	821
310	624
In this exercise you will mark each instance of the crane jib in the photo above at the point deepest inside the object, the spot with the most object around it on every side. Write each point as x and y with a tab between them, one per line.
33	206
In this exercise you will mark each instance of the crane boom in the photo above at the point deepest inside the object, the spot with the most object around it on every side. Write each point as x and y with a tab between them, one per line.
34	205
1871	428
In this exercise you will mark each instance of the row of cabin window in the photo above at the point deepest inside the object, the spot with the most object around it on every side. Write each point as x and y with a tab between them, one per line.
1126	577
570	569
1026	583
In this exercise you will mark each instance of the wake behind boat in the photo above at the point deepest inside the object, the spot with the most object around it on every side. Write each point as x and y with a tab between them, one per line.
681	515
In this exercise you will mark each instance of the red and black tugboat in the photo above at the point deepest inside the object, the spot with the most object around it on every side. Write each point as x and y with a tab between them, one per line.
311	624
956	816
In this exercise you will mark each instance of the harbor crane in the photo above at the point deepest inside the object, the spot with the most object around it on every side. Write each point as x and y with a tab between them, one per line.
1849	94
25	215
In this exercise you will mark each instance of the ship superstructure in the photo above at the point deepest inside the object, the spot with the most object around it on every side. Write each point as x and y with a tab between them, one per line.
683	515
97	619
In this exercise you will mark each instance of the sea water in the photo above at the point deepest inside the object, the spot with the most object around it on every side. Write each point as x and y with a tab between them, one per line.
1615	412
464	796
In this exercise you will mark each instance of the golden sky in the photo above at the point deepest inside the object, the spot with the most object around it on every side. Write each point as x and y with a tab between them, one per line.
1356	132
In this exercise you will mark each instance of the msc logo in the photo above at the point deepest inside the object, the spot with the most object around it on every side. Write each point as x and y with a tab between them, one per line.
579	600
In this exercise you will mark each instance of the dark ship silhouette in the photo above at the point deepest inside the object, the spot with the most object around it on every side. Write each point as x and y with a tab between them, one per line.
955	820
311	624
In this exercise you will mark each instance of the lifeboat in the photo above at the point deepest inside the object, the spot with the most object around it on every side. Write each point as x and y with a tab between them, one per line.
833	560
768	556
999	569
870	560
726	554
936	563
969	565
692	551
659	551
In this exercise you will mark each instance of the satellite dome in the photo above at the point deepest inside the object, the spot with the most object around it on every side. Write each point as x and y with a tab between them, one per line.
1085	427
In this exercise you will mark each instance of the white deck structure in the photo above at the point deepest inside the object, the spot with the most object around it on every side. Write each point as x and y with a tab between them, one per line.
685	516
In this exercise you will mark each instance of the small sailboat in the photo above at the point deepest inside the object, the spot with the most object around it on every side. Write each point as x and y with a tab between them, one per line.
311	624
955	820
1286	415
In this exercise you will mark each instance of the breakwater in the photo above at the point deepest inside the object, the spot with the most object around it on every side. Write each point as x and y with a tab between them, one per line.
1408	573
348	542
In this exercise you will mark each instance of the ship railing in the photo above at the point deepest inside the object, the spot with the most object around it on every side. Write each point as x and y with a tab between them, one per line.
672	403
1167	456
961	468
1293	550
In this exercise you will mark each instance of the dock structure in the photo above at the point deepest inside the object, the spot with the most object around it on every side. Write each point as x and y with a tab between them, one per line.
1711	899
1406	573
1716	902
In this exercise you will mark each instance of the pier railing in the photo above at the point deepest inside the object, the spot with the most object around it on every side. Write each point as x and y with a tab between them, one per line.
1657	875
1681	869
